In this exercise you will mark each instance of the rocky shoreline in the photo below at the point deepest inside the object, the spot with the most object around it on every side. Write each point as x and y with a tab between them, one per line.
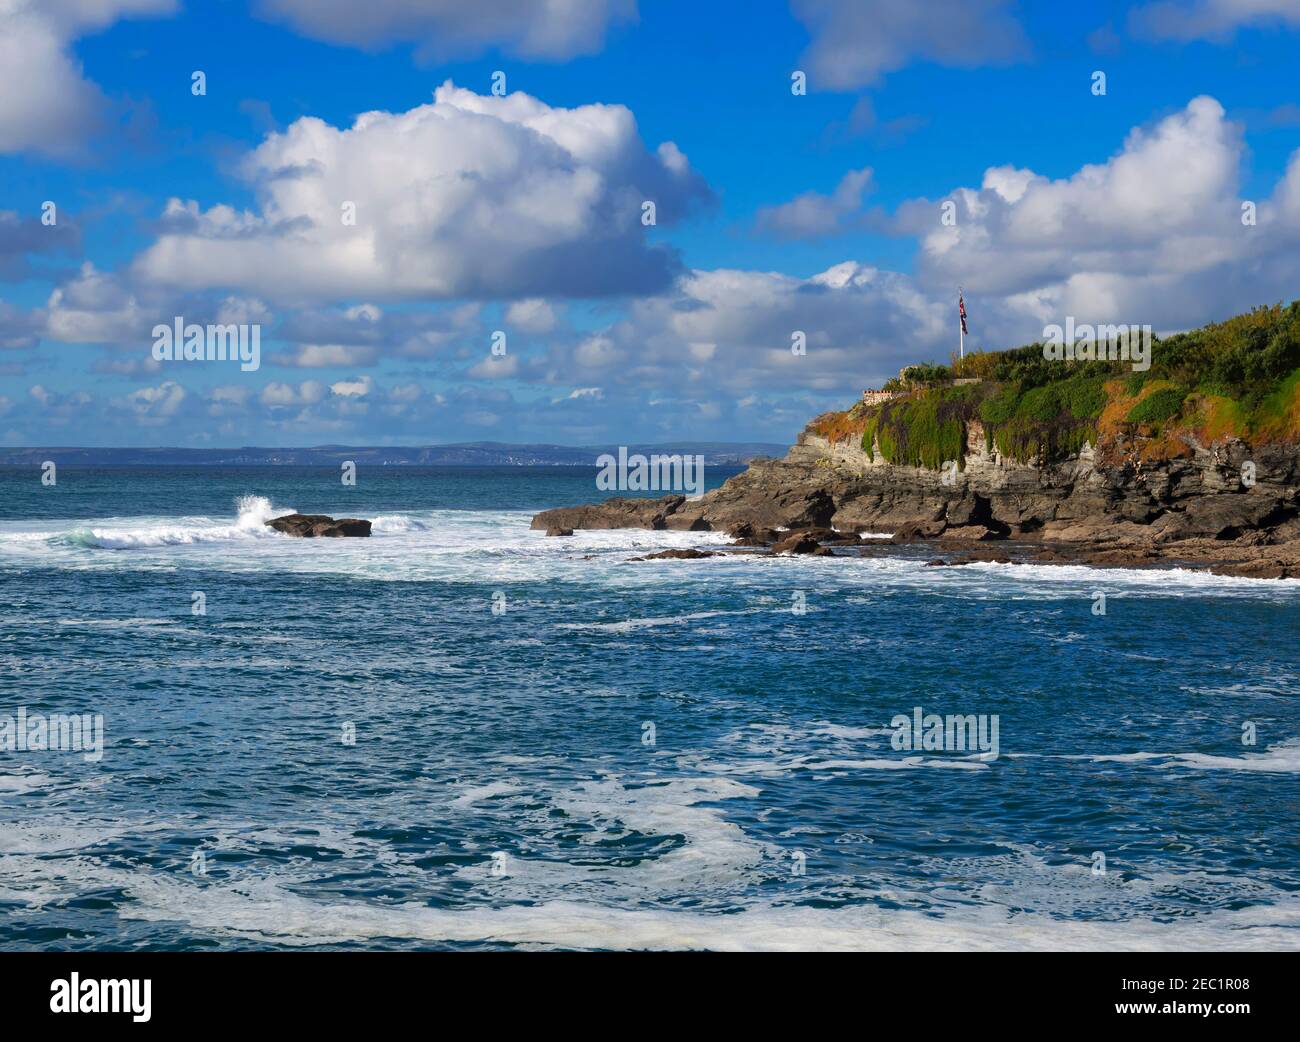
1226	507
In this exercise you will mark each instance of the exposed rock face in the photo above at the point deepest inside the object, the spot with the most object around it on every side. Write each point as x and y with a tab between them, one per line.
322	525
1079	499
1194	508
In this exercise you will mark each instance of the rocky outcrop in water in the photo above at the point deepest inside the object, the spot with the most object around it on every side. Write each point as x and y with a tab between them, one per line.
1198	509
676	555
319	525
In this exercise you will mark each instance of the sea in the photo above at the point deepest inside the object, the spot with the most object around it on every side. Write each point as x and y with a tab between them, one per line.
462	734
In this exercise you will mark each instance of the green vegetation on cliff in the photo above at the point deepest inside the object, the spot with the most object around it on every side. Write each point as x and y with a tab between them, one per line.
1239	378
922	430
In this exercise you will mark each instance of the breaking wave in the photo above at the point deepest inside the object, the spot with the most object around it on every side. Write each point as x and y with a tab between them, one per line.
252	513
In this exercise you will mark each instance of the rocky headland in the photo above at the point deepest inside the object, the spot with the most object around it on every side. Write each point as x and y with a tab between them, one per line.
1007	457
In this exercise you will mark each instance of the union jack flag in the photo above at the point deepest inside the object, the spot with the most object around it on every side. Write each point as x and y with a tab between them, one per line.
961	310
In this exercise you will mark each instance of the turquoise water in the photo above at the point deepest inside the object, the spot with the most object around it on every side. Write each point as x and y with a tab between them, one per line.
654	754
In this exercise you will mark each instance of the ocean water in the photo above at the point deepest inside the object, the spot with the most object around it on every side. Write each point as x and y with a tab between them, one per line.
658	754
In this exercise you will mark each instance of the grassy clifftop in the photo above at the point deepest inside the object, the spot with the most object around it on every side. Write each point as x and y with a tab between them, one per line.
1239	378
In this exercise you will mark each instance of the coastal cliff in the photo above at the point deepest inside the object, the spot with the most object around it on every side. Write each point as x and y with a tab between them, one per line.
1090	463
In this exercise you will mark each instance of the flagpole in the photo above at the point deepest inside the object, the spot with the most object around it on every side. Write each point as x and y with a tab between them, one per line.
961	327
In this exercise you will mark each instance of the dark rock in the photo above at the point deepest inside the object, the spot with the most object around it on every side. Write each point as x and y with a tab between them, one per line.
1050	556
819	533
344	526
975	533
1256	570
989	556
311	526
681	523
559	531
825	536
746	534
676	555
917	531
970	509
1288	531
798	543
612	513
1225	516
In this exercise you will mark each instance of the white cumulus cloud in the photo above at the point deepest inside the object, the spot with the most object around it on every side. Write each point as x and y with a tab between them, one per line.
154	405
468	196
1153	234
47	105
357	388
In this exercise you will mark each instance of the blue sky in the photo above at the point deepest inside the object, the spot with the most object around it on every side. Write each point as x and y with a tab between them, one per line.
777	212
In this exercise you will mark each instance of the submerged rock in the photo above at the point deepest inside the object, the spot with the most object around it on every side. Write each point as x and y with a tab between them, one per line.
319	525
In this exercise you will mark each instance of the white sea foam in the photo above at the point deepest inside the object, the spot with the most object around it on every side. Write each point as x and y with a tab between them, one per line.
23	781
708	852
1147	580
396	523
628	625
477	793
1282	758
118	624
498	546
266	910
577	904
821	748
903	763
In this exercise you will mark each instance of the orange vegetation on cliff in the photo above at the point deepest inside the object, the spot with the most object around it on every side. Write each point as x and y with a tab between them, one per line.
841	426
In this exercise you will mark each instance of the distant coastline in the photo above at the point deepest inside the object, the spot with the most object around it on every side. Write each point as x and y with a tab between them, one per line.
462	454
